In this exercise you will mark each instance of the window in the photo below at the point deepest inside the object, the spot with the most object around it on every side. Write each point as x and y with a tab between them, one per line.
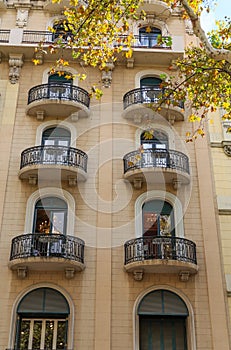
148	36
57	78
43	194
159	140
155	149
61	31
151	90
60	87
50	216
158	219
56	142
56	137
150	82
162	321
163	197
42	320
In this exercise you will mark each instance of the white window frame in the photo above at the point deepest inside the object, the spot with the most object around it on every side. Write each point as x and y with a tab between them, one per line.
52	124
50	192
164	196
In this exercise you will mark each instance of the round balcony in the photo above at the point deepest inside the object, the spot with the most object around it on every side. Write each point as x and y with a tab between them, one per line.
47	252
58	100
55	7
156	166
160	8
162	254
53	163
141	101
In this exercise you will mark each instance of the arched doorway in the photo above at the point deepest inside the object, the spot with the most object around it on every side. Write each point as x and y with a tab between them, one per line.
162	321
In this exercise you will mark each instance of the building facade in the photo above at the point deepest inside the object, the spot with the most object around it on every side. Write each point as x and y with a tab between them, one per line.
109	239
220	141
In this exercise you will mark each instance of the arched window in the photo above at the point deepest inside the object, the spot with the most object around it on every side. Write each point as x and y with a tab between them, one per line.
158	218
162	321
56	136
42	320
151	89
60	78
148	36
61	31
56	143
150	82
50	216
159	140
155	148
60	87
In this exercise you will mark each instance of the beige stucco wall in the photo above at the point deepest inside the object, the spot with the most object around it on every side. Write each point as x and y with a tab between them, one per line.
221	166
104	296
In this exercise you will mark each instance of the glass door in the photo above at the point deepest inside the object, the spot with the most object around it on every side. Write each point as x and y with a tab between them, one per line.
50	219
59	141
158	230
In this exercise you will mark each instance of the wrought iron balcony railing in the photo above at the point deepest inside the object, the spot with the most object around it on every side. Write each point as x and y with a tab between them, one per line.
60	91
47	245
54	155
162	247
161	158
146	95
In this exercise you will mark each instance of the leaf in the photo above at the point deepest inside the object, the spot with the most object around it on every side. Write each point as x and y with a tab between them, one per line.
194	118
130	164
129	53
36	61
200	132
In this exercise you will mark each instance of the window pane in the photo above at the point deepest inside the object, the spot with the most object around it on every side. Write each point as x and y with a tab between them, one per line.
36	342
165	225
49	142
24	335
58	222
49	333
61	335
64	143
151	223
42	224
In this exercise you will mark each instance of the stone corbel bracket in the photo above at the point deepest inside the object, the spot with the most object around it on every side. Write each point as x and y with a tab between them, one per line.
15	64
107	74
227	148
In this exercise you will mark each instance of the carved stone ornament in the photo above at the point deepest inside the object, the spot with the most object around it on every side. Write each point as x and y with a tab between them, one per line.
227	150
15	63
138	275
39	56
22	17
188	27
107	75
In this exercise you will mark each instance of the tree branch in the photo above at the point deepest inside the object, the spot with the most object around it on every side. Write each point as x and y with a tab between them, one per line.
217	54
